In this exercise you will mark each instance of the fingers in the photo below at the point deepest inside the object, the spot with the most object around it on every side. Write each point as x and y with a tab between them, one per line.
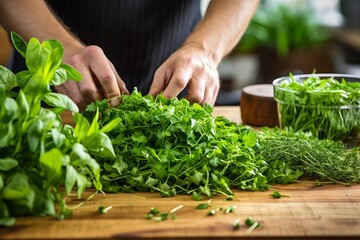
160	81
179	72
100	79
178	82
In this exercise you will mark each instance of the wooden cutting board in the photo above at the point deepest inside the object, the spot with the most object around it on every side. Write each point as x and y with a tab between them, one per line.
309	211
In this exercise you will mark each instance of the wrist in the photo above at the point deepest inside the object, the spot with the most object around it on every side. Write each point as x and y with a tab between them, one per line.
211	54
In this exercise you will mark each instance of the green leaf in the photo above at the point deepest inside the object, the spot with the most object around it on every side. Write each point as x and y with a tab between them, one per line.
119	164
205	190
24	107
99	144
197	196
23	77
82	126
34	134
50	164
71	72
16	187
58	137
202	206
36	56
1	186
9	110
82	183
94	127
7	164
60	77
70	178
7	78
7	221
19	43
197	177
249	139
60	100
111	125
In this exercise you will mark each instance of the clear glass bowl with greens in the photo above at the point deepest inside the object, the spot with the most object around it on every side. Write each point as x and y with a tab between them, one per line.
327	105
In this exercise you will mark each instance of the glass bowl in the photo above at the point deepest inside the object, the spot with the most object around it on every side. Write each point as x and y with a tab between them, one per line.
327	105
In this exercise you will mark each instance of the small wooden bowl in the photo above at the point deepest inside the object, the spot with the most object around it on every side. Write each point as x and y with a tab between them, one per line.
258	107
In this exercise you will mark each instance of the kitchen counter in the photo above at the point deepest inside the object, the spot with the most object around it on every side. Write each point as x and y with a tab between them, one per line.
309	211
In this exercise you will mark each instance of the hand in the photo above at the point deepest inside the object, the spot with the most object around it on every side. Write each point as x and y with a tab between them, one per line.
189	66
100	79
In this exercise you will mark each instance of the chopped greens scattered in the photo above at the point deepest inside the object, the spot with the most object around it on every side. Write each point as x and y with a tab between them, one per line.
158	216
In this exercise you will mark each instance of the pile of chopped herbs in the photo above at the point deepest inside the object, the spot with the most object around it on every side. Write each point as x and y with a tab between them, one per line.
145	144
326	107
172	146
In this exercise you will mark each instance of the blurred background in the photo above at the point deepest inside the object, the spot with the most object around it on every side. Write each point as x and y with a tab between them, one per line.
285	36
293	36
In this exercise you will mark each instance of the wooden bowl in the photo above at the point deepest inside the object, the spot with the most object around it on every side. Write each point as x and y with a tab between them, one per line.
258	107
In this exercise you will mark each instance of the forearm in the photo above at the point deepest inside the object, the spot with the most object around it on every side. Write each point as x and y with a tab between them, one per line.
33	18
222	27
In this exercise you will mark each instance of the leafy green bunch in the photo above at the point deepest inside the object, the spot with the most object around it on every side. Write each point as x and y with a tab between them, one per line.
42	161
172	146
326	107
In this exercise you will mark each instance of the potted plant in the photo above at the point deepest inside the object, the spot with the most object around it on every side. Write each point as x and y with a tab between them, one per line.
287	39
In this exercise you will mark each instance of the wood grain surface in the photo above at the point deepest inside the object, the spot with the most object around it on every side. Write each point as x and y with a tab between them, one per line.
310	212
328	211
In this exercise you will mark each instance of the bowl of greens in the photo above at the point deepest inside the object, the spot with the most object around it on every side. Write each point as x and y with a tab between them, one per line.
326	105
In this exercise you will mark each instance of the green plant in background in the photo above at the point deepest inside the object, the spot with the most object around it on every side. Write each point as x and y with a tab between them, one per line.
283	28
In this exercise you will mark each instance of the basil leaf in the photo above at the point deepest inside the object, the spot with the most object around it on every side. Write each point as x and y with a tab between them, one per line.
7	78
18	43
60	101
50	164
7	164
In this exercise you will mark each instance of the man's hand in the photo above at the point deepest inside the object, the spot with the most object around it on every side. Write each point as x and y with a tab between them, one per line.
100	79
189	66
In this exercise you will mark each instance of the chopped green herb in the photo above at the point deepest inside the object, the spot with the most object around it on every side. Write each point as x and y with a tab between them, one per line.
154	210
251	222
276	194
230	209
202	206
229	198
156	215
236	224
103	210
212	212
197	196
